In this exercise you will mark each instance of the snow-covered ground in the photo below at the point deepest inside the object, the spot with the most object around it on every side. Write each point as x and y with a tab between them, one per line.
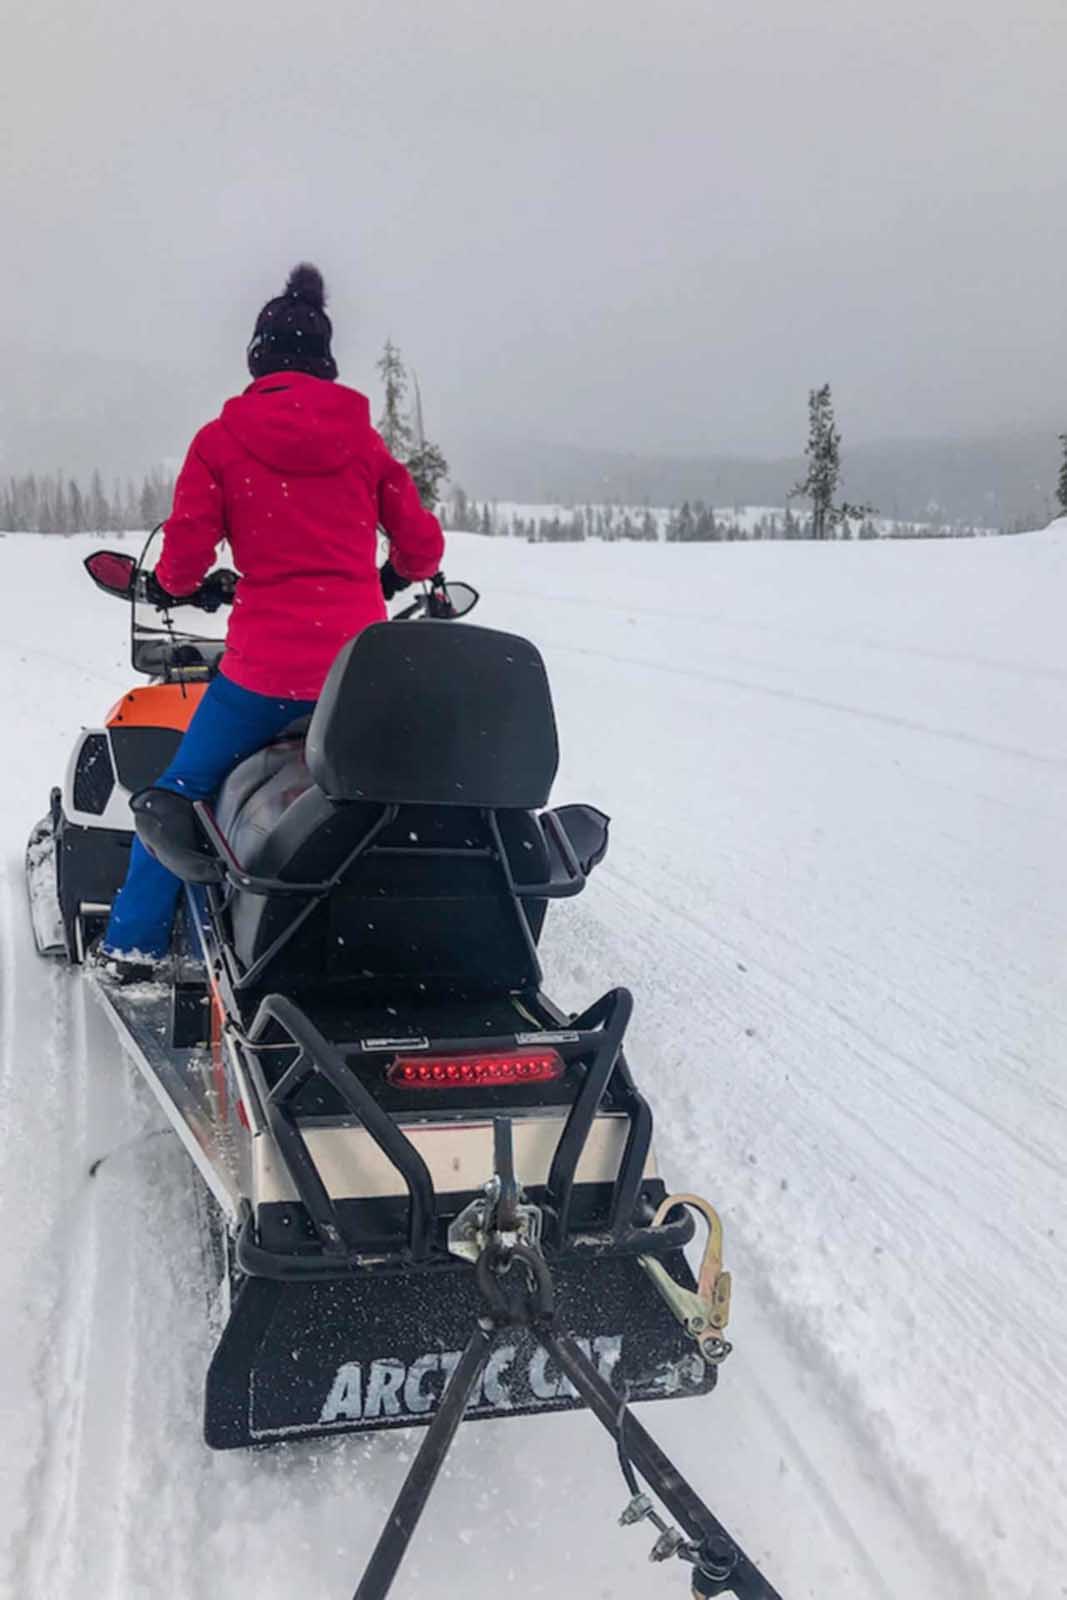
838	886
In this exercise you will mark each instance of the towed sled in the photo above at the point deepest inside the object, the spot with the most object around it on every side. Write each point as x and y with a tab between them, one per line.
435	1195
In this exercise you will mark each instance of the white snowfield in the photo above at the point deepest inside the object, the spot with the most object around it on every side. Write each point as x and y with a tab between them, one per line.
838	886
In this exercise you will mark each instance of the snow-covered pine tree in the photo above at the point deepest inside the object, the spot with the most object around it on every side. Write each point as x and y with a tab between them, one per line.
681	526
46	511
426	461
28	499
403	438
459	511
429	469
75	507
130	519
146	504
705	527
1061	484
98	512
823	451
61	507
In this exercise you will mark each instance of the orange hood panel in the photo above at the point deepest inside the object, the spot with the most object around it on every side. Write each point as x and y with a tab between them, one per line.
158	705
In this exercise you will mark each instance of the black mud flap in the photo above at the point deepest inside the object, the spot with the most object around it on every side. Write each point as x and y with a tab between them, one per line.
360	1354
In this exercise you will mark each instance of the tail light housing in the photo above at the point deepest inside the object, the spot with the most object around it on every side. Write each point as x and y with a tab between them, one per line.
497	1069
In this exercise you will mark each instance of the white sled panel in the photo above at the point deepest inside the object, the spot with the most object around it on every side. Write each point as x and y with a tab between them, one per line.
459	1156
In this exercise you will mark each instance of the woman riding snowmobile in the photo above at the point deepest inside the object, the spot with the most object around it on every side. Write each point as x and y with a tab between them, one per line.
296	480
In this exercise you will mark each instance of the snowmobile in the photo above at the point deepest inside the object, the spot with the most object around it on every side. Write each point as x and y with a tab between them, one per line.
433	1191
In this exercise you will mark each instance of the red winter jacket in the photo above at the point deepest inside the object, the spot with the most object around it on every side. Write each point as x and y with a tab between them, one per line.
294	477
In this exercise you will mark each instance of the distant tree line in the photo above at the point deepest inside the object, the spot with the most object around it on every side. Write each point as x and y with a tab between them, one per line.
569	526
691	523
35	503
700	524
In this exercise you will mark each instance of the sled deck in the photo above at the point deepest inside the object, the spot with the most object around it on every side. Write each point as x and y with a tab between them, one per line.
348	1310
143	1017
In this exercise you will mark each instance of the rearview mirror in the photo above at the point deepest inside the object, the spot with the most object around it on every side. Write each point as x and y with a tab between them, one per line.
111	571
462	598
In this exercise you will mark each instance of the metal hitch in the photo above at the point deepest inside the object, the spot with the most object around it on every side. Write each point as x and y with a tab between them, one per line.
703	1313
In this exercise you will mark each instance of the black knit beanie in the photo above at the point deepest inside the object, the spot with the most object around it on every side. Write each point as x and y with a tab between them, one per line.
293	332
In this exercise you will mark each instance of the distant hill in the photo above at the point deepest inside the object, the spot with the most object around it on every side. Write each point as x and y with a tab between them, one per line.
993	482
77	413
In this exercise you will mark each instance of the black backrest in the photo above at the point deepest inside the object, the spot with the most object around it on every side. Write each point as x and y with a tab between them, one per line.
435	713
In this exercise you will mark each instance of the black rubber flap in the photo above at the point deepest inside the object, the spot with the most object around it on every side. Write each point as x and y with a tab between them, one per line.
435	713
375	1350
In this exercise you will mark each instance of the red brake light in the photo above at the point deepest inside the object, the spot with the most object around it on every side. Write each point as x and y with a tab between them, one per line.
501	1069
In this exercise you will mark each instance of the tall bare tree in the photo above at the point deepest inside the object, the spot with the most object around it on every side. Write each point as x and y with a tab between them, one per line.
403	432
393	424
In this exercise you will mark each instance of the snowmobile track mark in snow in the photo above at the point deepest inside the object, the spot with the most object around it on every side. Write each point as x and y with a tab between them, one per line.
795	697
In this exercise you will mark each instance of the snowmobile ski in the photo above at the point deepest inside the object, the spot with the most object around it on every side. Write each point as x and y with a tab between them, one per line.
45	914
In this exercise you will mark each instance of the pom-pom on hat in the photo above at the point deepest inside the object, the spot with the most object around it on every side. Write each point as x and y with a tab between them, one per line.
293	332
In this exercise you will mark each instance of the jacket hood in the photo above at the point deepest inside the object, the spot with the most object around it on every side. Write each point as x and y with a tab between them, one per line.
293	422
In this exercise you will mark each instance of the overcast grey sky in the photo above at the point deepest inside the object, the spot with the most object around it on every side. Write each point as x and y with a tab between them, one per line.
644	225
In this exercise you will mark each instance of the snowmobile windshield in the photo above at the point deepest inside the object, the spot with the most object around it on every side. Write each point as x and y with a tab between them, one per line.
184	643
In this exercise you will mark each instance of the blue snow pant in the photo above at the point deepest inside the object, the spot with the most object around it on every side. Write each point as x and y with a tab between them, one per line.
229	724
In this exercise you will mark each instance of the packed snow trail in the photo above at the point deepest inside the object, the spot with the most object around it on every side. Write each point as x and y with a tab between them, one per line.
836	884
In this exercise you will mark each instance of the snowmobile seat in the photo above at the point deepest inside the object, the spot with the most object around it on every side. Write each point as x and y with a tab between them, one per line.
280	825
251	778
452	727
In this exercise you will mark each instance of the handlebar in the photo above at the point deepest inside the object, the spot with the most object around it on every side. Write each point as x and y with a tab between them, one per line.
440	601
121	575
218	589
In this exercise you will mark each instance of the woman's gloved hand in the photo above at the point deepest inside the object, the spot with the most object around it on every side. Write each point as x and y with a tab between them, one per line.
156	595
392	582
439	601
217	589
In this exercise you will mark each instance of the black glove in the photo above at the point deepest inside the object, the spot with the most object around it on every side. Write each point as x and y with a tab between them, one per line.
217	589
156	595
438	604
392	582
